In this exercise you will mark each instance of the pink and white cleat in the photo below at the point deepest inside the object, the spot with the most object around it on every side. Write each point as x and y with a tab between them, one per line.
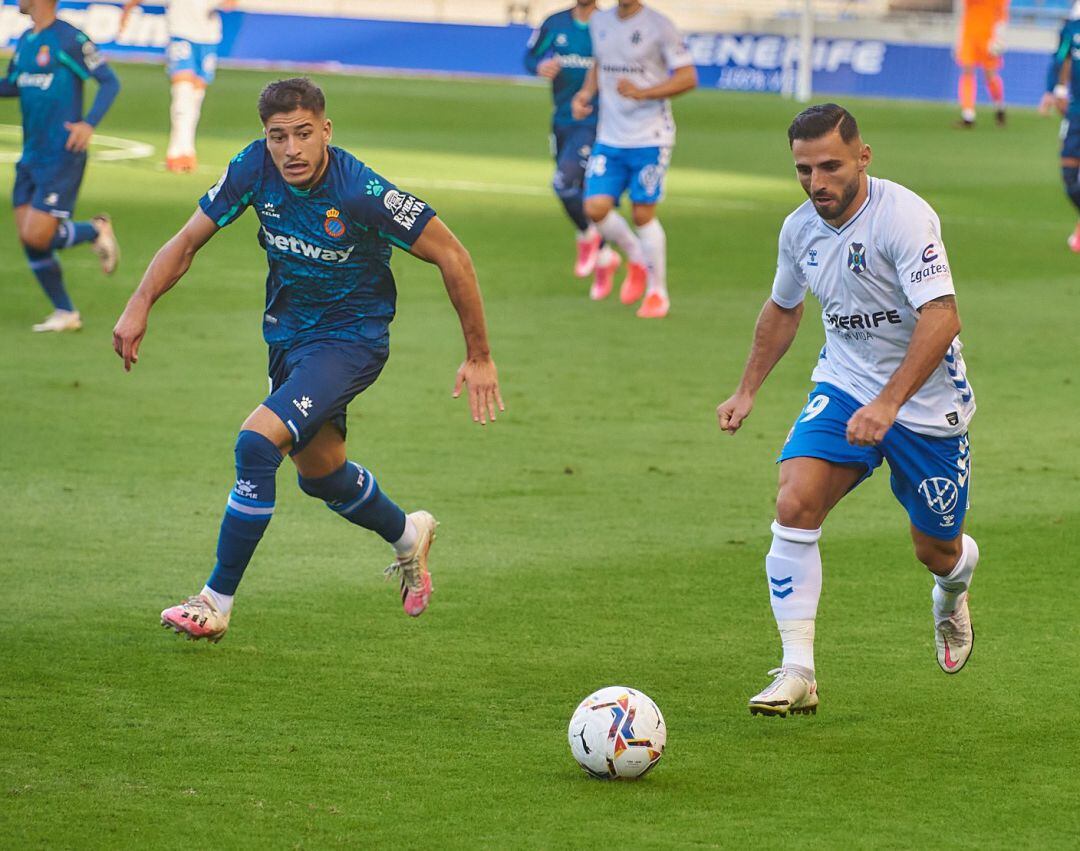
633	286
196	618
1074	240
588	250
604	277
413	568
655	306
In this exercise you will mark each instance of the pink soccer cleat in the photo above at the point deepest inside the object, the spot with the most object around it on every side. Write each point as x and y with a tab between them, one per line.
588	250
655	306
633	287
1074	240
604	278
415	578
196	618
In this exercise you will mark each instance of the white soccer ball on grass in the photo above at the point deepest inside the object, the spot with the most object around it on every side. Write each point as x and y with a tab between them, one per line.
617	733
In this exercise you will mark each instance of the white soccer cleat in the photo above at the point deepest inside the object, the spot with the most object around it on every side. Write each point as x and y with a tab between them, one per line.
954	638
197	617
794	690
105	246
413	567
60	320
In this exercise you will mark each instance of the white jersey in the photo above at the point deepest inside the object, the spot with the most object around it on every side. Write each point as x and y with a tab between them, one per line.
645	48
197	21
871	277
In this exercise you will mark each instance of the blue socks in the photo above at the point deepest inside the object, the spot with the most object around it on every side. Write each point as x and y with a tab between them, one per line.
248	511
73	233
352	492
1071	176
46	269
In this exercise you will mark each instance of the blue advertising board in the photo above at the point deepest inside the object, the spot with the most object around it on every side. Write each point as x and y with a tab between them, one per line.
729	61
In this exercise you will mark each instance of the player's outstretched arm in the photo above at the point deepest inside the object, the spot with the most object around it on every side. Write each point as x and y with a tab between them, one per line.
168	266
938	326
437	245
775	331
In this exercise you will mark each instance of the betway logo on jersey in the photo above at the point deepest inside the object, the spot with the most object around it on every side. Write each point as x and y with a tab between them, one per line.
34	81
575	61
295	245
864	320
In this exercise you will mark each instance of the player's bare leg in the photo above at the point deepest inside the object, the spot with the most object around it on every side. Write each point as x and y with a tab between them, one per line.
952	563
809	489
1070	174
967	90
654	242
616	230
996	87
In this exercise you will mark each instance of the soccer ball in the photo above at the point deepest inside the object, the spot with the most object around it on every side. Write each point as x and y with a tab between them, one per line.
617	732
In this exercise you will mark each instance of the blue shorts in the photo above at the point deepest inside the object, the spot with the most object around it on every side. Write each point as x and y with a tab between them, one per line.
312	384
612	171
1070	138
188	56
572	146
51	187
930	475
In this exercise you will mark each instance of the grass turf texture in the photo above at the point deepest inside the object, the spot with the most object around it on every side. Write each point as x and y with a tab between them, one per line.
602	532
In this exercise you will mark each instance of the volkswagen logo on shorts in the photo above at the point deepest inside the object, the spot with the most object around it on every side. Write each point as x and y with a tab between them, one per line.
940	494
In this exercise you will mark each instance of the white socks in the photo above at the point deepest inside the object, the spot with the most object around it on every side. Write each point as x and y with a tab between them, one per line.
615	229
654	244
186	107
222	602
407	542
793	568
949	590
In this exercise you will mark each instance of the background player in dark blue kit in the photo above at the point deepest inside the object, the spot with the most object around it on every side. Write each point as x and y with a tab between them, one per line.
328	225
1063	92
561	51
52	61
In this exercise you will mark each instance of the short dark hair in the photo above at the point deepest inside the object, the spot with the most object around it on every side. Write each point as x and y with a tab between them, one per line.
290	95
820	120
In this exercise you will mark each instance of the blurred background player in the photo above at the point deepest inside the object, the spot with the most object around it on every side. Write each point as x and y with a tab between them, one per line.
328	226
191	62
981	46
52	60
890	385
1063	93
640	62
561	51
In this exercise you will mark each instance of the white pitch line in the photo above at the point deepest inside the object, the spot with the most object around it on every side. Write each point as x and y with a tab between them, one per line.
122	149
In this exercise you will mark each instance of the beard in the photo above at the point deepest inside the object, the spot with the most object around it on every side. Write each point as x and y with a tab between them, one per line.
833	210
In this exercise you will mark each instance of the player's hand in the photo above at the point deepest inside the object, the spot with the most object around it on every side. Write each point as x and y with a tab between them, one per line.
581	106
868	425
128	334
482	380
734	411
1047	103
79	135
549	68
629	90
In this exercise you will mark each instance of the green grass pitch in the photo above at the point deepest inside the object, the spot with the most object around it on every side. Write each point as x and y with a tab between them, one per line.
602	532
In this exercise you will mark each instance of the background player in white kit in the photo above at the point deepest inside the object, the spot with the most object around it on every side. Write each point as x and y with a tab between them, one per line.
191	62
640	62
891	385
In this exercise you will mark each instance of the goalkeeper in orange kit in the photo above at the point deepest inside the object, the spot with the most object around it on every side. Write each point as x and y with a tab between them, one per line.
980	46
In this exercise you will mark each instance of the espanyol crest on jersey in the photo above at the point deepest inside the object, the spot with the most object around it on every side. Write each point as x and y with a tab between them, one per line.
857	258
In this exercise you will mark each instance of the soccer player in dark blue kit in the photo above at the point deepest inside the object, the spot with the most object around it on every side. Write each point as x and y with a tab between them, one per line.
52	61
328	225
561	51
1063	92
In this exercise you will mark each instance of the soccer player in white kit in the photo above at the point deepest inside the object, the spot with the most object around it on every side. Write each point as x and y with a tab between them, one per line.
640	62
191	62
890	385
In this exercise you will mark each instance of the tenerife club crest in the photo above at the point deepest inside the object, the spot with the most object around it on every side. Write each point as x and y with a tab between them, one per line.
856	260
333	225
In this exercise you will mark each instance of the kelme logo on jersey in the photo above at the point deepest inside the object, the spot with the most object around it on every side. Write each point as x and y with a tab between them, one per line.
856	260
406	208
333	225
295	245
43	58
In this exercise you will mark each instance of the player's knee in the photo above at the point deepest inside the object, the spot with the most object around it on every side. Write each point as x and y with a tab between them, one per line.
255	451
597	207
643	215
939	556
798	510
35	239
335	487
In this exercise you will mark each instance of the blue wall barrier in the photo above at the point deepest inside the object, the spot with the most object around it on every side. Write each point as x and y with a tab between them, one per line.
741	62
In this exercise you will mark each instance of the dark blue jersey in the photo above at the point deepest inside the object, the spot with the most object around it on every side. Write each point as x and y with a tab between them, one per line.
1068	49
328	248
48	71
567	40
